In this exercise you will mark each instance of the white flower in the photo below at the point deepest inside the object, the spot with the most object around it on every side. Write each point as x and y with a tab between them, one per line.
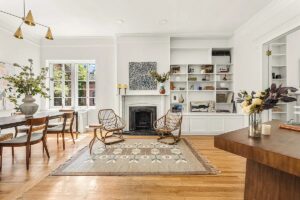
256	101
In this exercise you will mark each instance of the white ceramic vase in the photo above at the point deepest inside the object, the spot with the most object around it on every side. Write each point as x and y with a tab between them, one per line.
28	108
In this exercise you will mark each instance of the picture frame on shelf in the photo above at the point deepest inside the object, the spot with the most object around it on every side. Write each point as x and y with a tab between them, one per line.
202	106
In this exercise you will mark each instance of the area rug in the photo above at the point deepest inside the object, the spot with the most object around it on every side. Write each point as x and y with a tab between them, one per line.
136	157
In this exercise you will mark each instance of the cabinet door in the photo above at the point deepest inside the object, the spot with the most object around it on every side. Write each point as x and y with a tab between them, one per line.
206	125
234	123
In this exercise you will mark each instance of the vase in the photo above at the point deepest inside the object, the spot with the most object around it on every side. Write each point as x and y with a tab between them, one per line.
28	108
255	125
181	99
162	89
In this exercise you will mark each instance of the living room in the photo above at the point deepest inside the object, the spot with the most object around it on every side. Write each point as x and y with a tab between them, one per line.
149	99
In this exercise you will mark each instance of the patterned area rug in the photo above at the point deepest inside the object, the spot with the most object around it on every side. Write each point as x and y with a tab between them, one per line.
136	157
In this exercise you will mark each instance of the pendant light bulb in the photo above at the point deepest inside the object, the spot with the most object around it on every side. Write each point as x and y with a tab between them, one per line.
49	34
29	19
18	34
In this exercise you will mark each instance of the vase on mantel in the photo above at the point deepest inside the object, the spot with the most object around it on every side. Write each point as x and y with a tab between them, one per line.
162	89
255	125
28	108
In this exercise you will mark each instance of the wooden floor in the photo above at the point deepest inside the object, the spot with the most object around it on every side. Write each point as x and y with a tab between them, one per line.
35	184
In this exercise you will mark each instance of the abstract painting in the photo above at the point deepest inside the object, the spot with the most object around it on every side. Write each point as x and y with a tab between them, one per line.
139	77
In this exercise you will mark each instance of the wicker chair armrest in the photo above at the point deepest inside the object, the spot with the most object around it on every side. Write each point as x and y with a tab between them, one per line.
120	122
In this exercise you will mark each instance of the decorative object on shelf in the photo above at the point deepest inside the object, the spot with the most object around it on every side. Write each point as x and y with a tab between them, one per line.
278	76
273	75
229	97
175	69
181	99
205	78
207	68
139	76
192	78
225	78
192	87
221	98
202	106
182	88
172	86
191	70
161	78
28	85
253	104
29	20
177	108
209	87
174	98
224	69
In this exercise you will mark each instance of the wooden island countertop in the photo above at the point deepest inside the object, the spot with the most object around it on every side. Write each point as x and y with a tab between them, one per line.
273	162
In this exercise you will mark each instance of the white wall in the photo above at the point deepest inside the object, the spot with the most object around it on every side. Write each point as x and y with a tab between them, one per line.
293	59
276	19
101	50
13	50
142	49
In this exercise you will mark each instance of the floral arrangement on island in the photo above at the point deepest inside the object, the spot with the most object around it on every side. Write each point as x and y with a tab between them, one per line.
256	102
161	78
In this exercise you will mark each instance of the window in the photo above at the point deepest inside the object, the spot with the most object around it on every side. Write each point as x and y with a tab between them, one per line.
73	84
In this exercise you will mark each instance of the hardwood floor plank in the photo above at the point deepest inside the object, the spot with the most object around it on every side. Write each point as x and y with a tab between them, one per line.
36	184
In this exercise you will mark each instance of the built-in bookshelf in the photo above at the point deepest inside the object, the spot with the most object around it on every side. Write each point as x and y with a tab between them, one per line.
278	74
202	88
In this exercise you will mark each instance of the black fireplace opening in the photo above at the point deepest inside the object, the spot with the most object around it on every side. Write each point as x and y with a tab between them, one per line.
141	118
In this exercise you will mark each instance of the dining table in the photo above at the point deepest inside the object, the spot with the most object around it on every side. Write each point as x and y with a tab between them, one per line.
19	120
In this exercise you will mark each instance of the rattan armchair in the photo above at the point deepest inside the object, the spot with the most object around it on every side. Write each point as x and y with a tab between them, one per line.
110	126
167	126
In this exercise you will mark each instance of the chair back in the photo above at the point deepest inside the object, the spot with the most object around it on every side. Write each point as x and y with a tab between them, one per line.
173	119
68	120
108	118
36	124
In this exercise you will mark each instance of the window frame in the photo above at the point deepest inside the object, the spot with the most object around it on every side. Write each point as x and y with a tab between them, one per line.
74	83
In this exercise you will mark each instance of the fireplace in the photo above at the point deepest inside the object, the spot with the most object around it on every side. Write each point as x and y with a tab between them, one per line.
141	118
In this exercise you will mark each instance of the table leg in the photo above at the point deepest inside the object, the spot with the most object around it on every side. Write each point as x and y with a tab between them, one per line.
266	183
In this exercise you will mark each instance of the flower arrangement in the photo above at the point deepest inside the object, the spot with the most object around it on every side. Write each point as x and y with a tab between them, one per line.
161	78
256	102
26	83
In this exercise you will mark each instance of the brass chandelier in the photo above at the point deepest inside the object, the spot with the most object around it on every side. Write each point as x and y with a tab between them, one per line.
29	20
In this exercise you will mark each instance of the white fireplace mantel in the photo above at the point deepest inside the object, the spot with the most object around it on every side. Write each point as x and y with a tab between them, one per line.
128	100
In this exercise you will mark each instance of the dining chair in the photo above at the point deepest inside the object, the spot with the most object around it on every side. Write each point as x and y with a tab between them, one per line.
65	127
20	129
167	126
36	134
60	121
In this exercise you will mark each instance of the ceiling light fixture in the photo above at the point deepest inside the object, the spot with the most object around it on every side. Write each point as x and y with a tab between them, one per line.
29	20
120	21
163	21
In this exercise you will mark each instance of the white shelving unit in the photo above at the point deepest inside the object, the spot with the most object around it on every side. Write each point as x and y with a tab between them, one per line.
193	84
278	74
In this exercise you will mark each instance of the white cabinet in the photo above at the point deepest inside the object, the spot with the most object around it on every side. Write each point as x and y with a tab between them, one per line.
212	124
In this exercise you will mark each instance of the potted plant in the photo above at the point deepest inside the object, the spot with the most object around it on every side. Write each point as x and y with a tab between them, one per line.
26	84
255	103
161	78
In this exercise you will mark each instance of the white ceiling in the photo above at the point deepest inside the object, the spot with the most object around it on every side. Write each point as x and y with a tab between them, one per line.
99	17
